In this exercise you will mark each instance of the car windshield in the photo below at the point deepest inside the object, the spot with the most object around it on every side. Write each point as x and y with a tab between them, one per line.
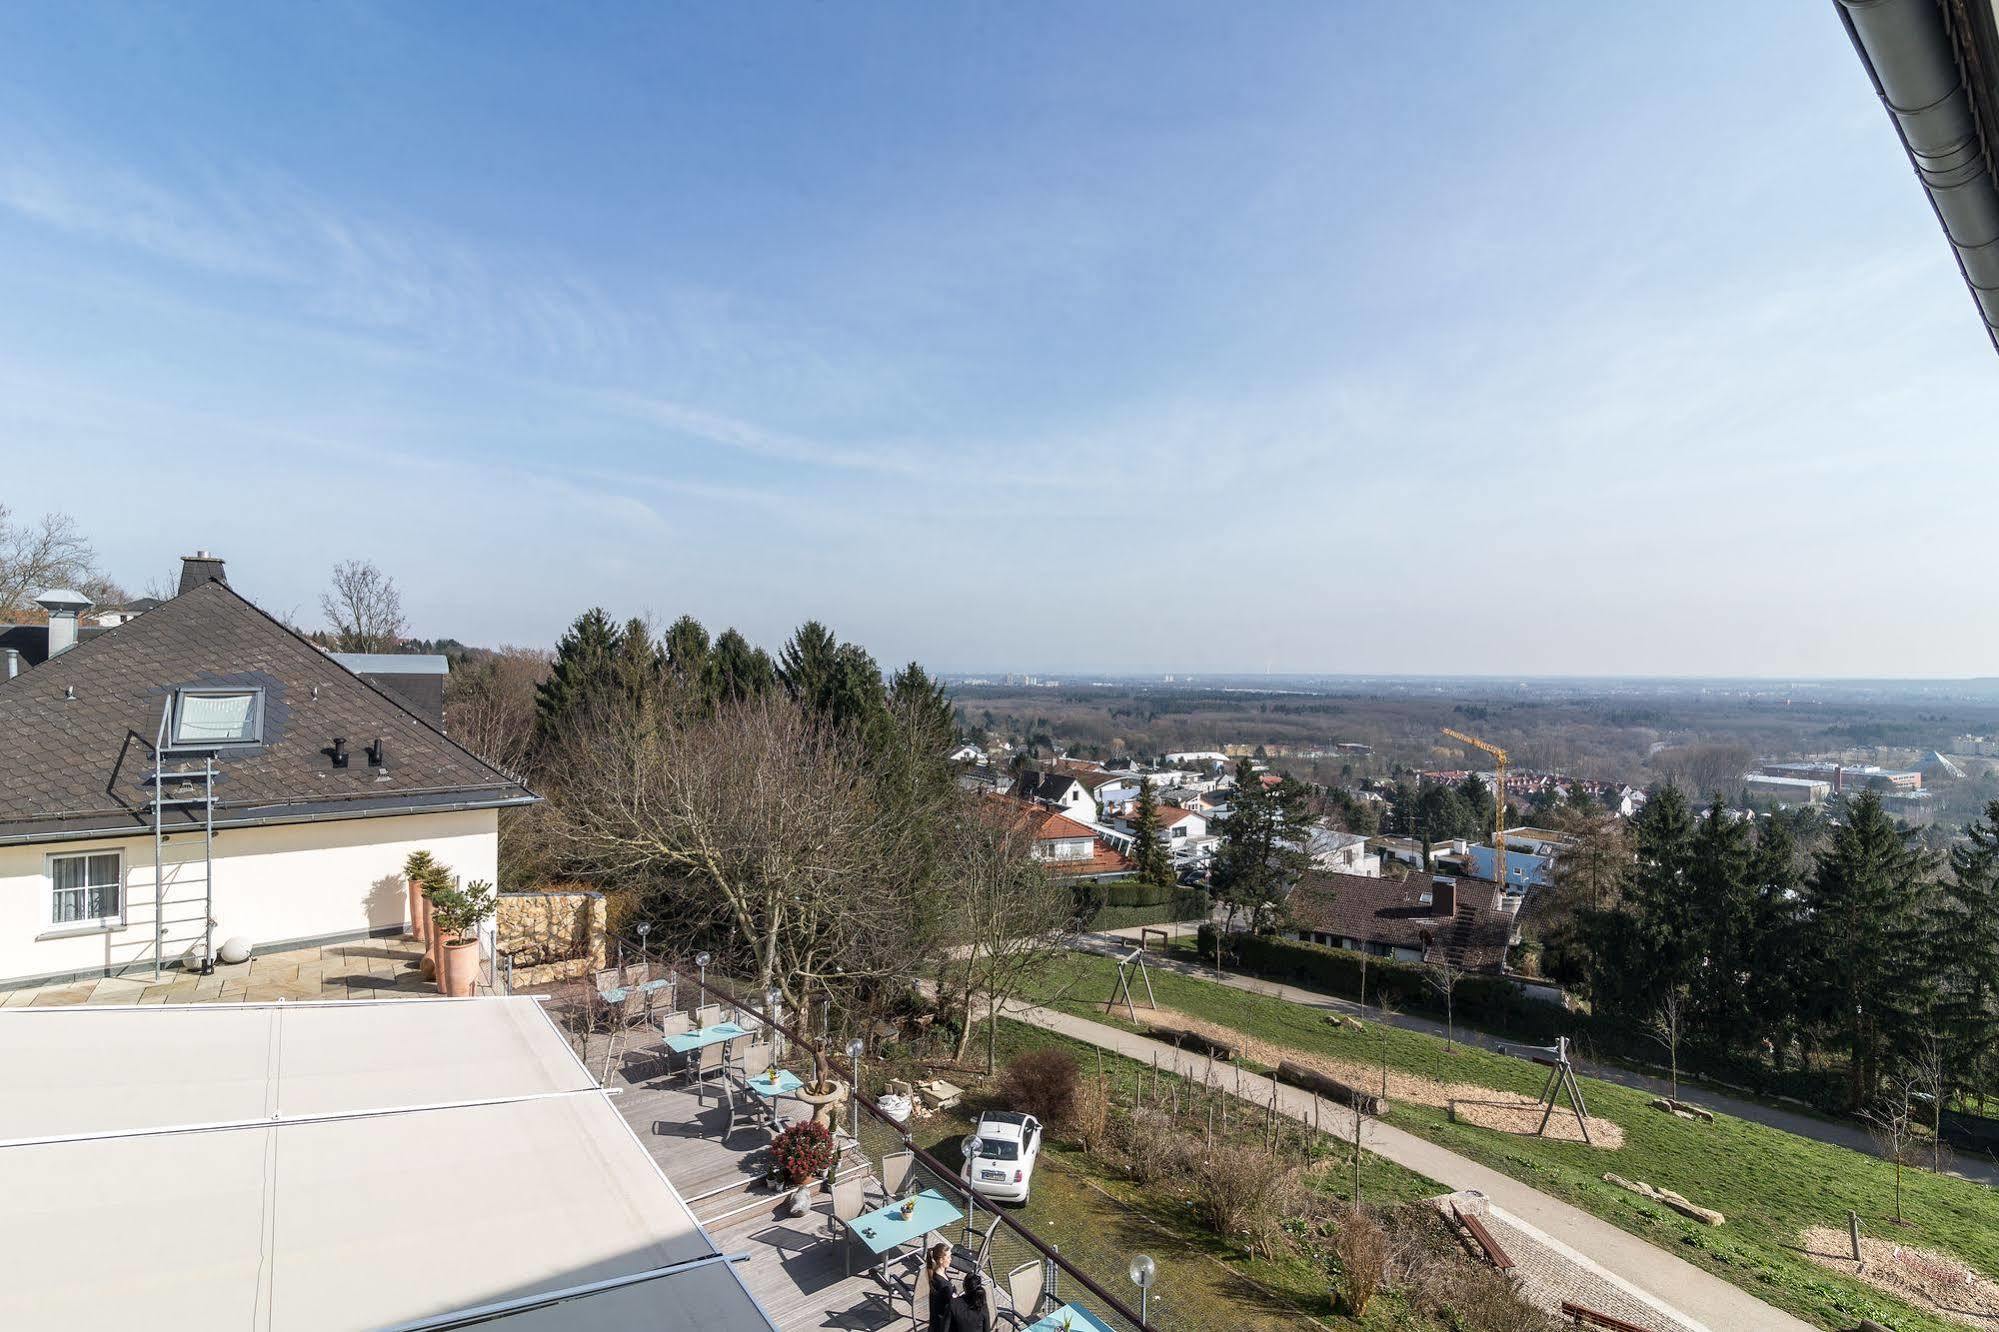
998	1149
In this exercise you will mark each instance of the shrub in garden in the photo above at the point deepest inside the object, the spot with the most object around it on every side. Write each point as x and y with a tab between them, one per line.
1090	1114
1363	1250
803	1152
1042	1083
1471	1297
1243	1192
1151	1147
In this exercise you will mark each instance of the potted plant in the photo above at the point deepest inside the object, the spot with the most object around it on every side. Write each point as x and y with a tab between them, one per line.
800	1154
460	912
825	1093
416	871
436	877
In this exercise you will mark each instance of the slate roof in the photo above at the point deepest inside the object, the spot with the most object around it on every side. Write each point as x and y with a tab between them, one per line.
1049	786
1390	911
80	766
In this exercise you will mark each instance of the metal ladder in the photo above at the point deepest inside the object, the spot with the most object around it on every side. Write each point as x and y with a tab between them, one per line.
199	783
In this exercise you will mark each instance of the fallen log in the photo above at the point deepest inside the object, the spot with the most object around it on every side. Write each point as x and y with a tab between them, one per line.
1705	1215
1212	1046
1311	1079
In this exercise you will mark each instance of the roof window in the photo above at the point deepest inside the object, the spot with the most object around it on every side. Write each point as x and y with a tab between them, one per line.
204	718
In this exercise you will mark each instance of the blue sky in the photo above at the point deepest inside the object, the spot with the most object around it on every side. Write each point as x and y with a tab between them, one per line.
1447	338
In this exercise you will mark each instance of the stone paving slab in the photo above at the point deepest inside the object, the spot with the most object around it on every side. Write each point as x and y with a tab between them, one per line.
369	969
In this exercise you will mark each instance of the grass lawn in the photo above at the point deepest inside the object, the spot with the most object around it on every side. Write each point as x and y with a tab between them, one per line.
1771	1185
1099	1220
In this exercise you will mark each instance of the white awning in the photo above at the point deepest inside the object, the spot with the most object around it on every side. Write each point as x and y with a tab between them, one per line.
331	1166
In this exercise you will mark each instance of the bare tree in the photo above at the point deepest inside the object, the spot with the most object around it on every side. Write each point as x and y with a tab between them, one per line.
1927	1065
363	607
1443	977
489	705
753	827
1892	1123
1009	913
1705	769
1667	1025
36	556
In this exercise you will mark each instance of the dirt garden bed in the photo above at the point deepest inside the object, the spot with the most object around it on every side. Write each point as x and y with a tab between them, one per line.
1933	1281
1469	1103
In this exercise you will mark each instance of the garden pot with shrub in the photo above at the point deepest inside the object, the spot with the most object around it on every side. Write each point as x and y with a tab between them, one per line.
800	1155
458	914
427	967
461	967
416	872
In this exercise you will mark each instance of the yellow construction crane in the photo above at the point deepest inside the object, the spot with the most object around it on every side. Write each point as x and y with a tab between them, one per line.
1498	801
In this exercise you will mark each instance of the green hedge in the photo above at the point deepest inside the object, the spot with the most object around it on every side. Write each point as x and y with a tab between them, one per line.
1493	1004
1489	1002
1098	907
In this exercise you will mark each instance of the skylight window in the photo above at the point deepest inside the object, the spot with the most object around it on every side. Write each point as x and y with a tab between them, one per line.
219	717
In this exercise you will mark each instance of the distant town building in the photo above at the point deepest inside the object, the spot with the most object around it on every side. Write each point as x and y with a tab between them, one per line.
1848	777
1787	790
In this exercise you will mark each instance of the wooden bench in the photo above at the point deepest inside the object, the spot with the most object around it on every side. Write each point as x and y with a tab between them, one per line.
1593	1318
1494	1254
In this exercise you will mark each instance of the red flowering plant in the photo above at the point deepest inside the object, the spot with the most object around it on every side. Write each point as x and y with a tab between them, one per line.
803	1152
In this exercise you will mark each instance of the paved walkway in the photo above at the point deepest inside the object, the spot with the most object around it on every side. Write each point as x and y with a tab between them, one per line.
1704	1299
1805	1125
363	969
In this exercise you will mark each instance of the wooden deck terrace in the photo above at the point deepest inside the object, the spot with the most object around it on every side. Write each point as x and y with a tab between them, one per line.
797	1265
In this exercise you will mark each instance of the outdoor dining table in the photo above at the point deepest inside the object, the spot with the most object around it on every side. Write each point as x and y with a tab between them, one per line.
886	1229
689	1041
775	1083
1070	1316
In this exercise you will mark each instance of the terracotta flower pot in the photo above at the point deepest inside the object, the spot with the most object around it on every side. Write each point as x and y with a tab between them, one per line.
433	942
461	967
417	922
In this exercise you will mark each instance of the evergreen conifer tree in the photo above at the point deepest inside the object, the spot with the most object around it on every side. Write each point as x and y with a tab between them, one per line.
1863	905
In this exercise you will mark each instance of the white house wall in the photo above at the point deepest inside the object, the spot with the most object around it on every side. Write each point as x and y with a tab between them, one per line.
275	884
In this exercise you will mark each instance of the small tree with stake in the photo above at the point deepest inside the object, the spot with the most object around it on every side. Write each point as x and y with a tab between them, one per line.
1443	977
1892	1122
1667	1025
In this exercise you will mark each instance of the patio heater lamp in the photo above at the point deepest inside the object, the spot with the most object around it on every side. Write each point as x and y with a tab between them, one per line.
772	998
701	960
645	928
855	1049
1142	1272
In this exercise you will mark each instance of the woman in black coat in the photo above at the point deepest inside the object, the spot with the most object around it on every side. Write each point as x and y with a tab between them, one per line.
937	1277
968	1311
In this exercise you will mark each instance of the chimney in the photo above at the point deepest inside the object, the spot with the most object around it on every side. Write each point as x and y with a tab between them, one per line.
13	662
63	606
201	567
1443	895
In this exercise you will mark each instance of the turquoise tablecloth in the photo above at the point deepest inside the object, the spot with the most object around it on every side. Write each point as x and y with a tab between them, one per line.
695	1040
787	1083
1079	1317
886	1229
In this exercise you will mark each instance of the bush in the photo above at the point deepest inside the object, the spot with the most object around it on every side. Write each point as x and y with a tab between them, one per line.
1043	1083
803	1152
1493	1002
1363	1251
1090	1115
1151	1147
1244	1193
1097	909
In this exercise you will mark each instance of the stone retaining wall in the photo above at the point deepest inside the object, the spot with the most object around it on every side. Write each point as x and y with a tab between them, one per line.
552	936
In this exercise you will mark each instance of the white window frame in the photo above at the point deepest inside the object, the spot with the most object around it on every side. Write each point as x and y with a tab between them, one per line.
256	736
89	923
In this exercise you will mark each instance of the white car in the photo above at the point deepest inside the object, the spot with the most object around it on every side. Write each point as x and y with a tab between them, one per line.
1000	1155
